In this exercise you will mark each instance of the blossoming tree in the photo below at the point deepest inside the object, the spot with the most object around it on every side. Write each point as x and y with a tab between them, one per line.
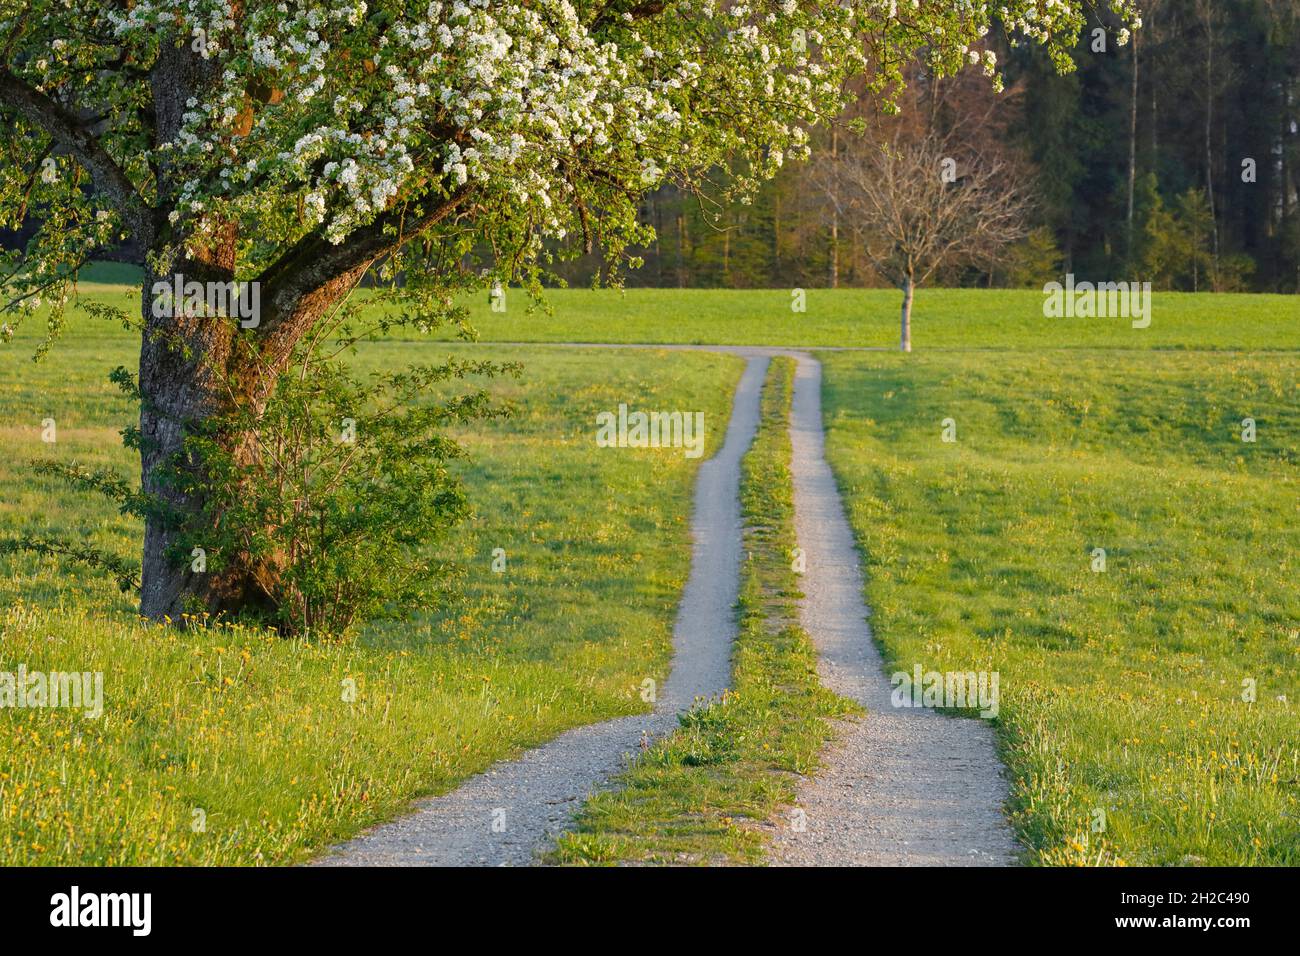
302	144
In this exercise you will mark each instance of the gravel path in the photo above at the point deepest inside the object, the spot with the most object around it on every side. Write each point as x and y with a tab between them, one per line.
505	815
901	786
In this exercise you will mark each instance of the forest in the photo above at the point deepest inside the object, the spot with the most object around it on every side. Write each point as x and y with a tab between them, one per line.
1173	158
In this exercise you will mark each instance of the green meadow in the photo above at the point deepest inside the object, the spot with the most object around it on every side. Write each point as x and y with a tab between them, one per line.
868	318
224	745
1150	710
834	318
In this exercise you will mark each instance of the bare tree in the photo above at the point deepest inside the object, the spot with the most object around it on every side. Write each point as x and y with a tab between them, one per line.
922	202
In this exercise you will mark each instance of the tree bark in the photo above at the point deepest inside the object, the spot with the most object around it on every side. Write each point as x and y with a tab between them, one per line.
681	245
726	256
834	277
190	372
1132	154
776	235
905	340
658	219
1209	151
179	391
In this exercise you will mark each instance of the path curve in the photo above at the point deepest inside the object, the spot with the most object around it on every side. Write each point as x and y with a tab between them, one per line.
901	786
506	814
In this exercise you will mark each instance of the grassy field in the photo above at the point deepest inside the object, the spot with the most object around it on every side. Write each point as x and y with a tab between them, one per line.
1122	721
706	793
228	746
1122	718
942	318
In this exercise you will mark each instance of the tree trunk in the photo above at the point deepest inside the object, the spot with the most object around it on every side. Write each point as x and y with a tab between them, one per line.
726	256
1209	151
186	366
178	392
835	222
658	219
776	235
194	368
681	248
1150	27
905	341
1132	154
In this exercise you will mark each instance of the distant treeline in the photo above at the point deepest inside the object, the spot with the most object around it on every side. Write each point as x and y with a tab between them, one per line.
1174	158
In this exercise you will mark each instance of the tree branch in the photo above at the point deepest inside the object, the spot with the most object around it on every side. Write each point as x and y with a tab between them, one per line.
313	260
75	136
314	274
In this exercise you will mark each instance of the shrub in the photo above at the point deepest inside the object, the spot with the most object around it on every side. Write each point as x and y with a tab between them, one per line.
334	495
331	498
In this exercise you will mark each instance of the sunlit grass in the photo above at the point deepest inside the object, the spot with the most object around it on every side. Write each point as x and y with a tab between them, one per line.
942	319
1122	720
709	792
251	735
1122	690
